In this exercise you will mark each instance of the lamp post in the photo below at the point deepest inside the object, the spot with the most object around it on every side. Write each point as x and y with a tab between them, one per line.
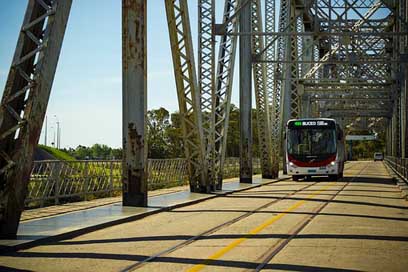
53	142
58	132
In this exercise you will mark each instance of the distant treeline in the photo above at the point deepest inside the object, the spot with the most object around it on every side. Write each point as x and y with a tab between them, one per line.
165	138
366	149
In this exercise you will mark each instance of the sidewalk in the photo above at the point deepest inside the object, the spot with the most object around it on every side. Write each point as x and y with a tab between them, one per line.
69	220
83	205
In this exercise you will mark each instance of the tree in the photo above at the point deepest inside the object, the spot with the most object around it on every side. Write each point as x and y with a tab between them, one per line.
158	122
175	137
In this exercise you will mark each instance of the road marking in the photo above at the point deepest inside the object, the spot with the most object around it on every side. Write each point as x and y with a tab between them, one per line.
254	231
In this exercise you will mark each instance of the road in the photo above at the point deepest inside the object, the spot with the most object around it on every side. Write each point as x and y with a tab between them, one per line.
359	223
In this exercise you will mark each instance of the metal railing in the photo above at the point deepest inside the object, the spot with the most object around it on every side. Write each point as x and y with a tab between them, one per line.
399	165
55	182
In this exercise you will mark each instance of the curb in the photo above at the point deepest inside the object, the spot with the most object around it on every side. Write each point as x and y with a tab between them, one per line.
401	183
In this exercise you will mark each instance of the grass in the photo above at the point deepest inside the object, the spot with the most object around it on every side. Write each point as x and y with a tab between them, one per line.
58	154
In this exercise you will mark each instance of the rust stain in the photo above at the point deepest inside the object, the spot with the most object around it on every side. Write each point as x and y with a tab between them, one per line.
133	45
135	139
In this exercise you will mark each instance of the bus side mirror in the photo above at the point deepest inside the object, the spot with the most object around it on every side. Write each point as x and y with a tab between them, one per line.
339	136
284	135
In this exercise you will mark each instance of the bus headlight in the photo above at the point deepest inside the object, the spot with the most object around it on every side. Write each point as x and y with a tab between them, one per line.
333	163
291	164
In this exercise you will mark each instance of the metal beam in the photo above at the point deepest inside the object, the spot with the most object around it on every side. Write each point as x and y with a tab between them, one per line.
261	95
245	95
134	92
273	93
206	84
336	48
25	101
187	92
224	79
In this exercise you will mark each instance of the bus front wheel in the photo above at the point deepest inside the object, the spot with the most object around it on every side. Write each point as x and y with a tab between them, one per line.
295	178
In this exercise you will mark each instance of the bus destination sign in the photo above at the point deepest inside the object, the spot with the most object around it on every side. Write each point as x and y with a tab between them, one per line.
311	123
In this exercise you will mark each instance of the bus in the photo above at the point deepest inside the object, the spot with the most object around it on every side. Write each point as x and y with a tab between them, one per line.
314	147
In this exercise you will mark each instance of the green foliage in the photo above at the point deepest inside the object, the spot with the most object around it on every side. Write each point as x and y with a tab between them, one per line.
165	138
95	152
233	141
158	125
58	154
366	149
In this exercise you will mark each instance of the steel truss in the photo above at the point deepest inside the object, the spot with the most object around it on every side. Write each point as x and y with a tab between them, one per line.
209	99
262	95
224	79
274	94
206	83
188	93
24	102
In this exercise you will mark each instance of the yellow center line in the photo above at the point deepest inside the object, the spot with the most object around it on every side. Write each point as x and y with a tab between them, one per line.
254	231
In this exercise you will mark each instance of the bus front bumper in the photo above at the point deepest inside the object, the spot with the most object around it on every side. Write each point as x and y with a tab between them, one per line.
313	171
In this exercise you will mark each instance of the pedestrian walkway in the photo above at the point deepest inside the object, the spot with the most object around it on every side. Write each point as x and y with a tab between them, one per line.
57	222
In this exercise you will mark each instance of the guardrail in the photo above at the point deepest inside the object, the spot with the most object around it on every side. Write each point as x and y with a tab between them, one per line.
55	182
399	165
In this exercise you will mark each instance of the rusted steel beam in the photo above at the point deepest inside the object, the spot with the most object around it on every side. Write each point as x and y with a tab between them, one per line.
224	79
206	85
187	92
245	93
25	101
263	109
134	93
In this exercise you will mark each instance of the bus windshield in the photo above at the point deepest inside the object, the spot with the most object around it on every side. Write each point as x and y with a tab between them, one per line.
311	142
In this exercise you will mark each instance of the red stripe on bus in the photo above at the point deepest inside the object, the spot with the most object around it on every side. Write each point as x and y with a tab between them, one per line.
311	164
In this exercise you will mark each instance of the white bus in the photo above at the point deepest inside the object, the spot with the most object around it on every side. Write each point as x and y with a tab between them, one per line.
314	147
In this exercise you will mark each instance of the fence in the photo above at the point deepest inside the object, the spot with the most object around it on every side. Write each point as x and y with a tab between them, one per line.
399	165
55	182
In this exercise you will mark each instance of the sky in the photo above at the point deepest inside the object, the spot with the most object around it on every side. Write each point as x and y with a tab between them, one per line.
86	97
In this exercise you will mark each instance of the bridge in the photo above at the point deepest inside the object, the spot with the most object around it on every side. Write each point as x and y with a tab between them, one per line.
338	59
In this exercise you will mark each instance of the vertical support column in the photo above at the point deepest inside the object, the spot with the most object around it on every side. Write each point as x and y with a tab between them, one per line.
274	93
308	47
224	79
404	112
389	137
245	95
134	91
394	131
206	84
287	15
306	104
404	81
263	108
181	42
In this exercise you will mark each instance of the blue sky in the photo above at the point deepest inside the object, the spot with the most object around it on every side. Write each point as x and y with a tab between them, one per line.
86	94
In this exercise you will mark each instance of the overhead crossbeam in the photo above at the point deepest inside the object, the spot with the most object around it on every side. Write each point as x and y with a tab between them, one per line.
331	53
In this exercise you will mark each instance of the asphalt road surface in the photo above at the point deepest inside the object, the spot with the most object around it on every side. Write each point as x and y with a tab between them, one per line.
359	223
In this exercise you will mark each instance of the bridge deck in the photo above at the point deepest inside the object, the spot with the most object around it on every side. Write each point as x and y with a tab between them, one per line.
359	223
